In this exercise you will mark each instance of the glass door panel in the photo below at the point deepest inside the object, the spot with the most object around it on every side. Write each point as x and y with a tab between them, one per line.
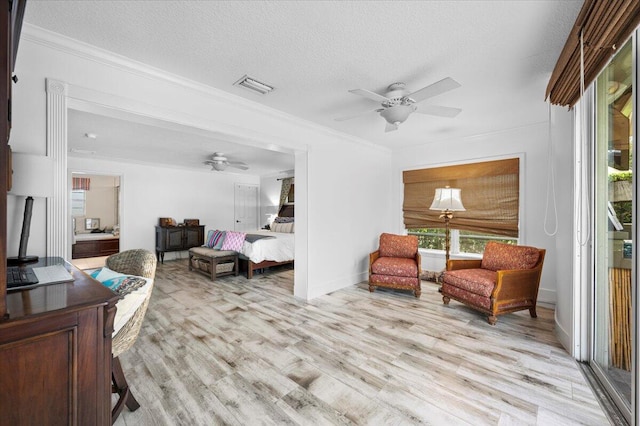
613	234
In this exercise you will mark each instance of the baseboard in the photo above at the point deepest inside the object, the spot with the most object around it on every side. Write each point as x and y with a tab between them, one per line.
337	284
563	336
547	298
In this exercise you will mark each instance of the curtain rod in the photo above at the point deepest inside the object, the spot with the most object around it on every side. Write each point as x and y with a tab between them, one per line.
290	177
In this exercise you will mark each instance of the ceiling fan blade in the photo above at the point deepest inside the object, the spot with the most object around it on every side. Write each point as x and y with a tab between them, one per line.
434	89
236	163
349	117
390	127
240	166
369	94
440	111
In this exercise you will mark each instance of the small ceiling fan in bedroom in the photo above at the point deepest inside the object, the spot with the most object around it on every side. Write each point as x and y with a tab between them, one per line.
398	103
219	162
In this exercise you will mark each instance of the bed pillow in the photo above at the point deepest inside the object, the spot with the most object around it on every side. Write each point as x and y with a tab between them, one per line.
286	228
215	238
233	241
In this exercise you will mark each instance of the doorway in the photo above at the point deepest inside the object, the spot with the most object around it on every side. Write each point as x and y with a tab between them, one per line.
613	257
95	218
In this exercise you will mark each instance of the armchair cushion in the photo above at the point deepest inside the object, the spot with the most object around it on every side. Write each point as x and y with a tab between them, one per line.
499	256
398	245
476	281
394	281
398	266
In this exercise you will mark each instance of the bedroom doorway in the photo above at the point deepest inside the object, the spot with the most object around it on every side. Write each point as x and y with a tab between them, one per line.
246	207
95	218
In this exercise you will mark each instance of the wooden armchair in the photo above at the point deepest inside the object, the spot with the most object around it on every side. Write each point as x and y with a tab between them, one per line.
505	280
396	264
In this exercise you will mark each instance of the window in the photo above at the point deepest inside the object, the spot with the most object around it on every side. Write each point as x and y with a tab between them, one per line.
490	194
78	198
461	241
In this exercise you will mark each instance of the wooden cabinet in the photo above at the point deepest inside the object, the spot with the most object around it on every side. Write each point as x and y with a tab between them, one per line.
177	238
94	248
55	353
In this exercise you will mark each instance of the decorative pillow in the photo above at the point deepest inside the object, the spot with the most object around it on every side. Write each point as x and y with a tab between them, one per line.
283	219
283	227
207	241
500	256
233	241
220	241
215	238
120	283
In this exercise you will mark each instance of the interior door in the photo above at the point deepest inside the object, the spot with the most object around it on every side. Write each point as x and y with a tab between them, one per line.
246	207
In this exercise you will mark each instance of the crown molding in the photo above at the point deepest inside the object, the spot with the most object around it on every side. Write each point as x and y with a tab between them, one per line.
70	46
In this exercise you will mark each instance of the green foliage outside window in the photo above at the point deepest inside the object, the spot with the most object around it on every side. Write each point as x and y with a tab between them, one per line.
470	242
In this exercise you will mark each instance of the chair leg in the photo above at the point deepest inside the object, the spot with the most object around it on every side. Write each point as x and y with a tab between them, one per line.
417	292
121	387
371	288
492	319
446	299
532	312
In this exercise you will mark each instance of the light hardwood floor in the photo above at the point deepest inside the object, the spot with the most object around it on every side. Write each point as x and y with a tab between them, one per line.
246	352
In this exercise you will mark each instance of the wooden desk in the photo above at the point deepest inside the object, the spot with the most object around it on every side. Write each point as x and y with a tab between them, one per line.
55	352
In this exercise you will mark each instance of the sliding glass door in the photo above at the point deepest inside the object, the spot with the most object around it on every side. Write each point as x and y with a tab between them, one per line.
613	226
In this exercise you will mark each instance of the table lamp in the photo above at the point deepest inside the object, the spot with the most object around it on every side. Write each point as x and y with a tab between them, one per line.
447	200
32	177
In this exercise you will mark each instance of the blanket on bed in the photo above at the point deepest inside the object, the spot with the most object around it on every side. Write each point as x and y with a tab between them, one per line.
252	238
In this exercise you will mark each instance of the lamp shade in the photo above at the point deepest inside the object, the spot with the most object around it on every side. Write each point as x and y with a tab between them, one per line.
447	199
32	175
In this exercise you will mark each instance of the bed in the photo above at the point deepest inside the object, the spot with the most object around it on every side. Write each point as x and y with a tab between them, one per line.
263	249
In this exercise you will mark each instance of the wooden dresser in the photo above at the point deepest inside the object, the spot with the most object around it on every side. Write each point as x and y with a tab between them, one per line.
177	238
55	353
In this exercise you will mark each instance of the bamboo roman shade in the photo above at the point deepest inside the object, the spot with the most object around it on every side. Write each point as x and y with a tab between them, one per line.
490	194
606	23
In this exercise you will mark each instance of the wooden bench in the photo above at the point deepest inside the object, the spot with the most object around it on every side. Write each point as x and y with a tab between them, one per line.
213	263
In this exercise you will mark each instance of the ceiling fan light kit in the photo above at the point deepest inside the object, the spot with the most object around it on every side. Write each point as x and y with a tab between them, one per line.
398	104
219	162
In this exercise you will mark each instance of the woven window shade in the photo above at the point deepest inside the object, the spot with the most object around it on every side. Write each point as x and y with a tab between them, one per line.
81	183
606	23
490	195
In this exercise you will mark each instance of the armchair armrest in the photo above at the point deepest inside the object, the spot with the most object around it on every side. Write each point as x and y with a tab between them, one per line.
517	284
372	258
419	262
453	265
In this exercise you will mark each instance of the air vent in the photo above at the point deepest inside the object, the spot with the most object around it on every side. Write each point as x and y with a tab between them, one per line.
254	85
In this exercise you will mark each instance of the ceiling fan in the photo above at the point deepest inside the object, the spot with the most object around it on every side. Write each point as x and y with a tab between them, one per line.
398	103
219	162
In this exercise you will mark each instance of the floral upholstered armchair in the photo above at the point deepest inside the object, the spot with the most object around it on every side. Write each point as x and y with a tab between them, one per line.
396	264
505	280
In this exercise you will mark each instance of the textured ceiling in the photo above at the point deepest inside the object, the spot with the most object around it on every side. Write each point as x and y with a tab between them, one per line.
313	52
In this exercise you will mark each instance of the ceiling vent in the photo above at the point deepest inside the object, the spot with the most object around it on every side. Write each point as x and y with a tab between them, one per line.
254	85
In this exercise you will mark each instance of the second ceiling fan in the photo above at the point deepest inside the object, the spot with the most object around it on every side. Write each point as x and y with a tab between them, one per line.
398	103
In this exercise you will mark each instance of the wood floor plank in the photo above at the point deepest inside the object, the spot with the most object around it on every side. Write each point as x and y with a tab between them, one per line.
244	352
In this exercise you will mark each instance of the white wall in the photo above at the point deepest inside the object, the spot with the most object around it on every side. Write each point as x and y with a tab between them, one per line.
531	143
359	177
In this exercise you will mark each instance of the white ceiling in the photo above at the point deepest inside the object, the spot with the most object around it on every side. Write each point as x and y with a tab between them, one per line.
313	52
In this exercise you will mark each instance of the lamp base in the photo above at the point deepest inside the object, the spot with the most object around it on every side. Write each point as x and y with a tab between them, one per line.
21	260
